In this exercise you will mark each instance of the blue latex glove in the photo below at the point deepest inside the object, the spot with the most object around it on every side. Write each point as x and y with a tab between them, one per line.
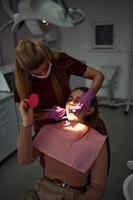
84	101
56	113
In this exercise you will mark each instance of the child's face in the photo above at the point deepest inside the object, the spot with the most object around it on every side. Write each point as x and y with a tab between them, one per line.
71	103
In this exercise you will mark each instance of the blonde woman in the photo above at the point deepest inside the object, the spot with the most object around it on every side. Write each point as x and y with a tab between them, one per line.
74	156
46	73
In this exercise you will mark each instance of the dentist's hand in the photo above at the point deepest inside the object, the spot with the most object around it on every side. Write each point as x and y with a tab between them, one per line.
85	101
57	113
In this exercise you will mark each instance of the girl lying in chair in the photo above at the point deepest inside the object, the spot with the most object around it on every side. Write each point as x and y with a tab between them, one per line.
73	154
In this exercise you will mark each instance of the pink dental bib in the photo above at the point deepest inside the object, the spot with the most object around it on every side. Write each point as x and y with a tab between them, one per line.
60	141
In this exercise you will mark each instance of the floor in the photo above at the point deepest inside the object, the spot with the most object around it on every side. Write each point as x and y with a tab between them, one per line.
15	180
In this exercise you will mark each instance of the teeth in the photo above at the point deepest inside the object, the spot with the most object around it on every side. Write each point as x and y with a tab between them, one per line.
70	111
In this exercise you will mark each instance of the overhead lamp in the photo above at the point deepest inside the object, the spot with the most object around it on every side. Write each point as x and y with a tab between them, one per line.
45	22
31	12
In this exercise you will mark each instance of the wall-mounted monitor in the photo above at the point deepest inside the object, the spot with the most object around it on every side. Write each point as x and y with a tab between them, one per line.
6	78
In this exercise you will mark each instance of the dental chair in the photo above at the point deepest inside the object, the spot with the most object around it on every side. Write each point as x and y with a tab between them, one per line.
128	183
110	73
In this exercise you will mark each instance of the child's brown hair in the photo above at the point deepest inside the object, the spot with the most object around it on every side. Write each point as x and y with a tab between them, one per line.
93	119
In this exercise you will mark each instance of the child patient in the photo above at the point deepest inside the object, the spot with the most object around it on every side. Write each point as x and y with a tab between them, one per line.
74	156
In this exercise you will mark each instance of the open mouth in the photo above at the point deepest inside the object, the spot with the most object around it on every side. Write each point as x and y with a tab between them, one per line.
71	115
70	110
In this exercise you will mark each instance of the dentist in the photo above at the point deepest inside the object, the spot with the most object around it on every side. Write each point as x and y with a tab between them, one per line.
46	73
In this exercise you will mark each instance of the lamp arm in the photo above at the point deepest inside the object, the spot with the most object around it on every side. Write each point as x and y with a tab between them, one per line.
7	7
5	25
64	6
80	13
71	11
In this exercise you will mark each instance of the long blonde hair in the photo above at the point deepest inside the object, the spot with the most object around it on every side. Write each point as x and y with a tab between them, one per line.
29	55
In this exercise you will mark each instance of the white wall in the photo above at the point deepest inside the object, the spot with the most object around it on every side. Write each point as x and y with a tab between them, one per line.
77	41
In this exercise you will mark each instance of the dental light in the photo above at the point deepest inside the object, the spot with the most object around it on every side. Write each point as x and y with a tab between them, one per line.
32	12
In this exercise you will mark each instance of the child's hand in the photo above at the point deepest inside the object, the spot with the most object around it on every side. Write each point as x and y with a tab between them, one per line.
26	113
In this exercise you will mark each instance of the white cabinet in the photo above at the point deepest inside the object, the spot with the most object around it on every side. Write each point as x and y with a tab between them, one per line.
8	127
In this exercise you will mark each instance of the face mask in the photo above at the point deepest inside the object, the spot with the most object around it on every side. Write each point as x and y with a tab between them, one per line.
46	75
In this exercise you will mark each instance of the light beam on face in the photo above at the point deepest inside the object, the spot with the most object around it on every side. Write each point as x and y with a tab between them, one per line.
71	103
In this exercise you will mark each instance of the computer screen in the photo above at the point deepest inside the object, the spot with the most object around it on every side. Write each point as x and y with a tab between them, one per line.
9	78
